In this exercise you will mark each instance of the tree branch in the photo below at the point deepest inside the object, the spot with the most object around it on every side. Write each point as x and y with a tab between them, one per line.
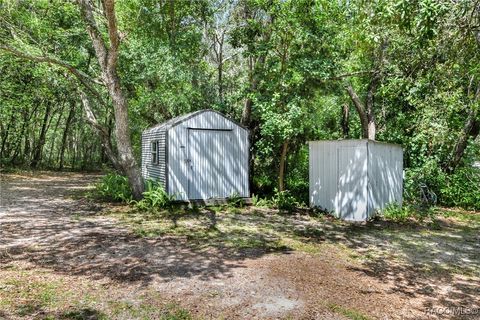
348	75
112	32
101	130
85	79
94	32
360	109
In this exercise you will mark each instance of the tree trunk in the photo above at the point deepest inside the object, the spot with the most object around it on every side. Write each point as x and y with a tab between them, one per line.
71	113
281	171
362	113
220	77
5	135
122	134
52	144
107	59
219	40
102	132
345	120
18	141
367	115
471	129
37	156
370	100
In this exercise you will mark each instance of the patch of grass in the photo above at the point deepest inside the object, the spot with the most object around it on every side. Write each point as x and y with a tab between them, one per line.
148	310
30	293
297	245
346	312
431	243
27	296
460	215
81	314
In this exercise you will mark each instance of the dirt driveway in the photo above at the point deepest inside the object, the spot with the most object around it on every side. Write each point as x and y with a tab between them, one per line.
60	258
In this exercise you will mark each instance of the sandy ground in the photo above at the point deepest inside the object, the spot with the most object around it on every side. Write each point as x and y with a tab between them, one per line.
43	228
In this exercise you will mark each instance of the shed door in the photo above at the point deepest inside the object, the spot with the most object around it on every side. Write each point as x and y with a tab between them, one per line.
351	198
210	156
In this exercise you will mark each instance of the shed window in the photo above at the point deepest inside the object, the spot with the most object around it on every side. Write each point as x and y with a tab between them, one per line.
154	151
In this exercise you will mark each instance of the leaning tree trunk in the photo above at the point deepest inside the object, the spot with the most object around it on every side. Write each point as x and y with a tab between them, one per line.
122	134
470	130
107	57
366	114
362	113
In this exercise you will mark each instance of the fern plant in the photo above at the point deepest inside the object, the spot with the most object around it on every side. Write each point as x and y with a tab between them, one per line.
114	187
155	197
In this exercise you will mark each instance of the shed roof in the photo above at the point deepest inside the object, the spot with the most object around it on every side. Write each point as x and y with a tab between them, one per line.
340	141
177	120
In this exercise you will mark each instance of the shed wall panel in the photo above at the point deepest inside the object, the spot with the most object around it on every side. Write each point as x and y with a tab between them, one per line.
149	170
179	162
324	172
385	175
354	178
351	183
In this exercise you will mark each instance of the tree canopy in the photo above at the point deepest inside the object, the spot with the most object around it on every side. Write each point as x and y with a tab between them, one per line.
82	79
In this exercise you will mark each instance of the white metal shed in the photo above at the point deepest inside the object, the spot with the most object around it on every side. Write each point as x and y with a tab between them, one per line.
201	155
355	178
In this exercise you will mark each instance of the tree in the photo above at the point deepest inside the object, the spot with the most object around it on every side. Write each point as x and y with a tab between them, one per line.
107	57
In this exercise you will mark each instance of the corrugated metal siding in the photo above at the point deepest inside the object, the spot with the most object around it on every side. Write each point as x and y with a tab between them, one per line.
322	175
210	175
385	175
351	193
338	172
353	178
149	170
234	158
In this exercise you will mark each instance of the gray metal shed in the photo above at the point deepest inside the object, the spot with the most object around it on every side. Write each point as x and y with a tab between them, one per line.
355	178
200	155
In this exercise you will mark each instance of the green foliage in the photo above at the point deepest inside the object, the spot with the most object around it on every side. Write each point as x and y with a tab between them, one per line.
281	200
399	214
155	197
284	58
257	201
285	201
462	189
429	185
406	212
236	201
422	184
114	187
347	312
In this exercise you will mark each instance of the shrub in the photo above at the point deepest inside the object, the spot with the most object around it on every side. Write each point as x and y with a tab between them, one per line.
235	201
422	185
114	187
462	189
261	202
284	200
155	197
396	213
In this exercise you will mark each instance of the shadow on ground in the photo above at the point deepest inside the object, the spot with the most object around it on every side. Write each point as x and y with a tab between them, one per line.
42	226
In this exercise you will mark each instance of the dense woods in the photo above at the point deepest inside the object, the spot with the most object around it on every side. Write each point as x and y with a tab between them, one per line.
80	80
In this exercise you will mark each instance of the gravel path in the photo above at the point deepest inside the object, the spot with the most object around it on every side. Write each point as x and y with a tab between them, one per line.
42	226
